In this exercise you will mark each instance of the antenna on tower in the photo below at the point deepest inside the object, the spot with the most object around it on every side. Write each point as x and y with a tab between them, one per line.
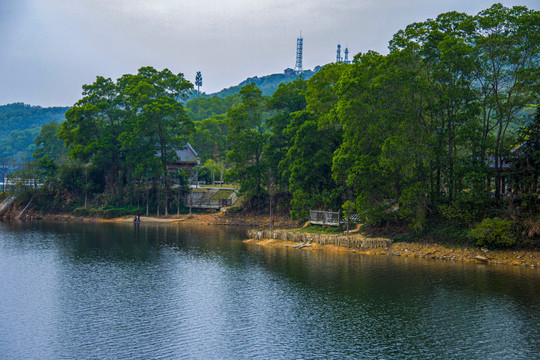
338	53
299	47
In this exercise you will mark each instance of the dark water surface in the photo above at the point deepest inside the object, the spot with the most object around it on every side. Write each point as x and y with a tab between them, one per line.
112	291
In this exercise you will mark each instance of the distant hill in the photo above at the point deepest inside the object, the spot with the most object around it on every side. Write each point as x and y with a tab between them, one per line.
268	84
20	124
203	106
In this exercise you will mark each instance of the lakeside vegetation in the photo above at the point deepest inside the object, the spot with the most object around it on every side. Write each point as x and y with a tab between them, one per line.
441	133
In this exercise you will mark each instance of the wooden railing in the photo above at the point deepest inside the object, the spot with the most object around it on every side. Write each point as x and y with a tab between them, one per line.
329	218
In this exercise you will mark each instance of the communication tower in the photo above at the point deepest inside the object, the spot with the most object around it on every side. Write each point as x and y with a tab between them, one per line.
338	54
346	60
198	81
299	46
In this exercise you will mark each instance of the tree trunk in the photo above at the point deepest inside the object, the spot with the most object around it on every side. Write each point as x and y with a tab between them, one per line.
166	199
147	199
178	204
157	207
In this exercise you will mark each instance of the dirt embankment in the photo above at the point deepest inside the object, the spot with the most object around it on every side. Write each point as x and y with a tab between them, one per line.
426	251
218	218
416	250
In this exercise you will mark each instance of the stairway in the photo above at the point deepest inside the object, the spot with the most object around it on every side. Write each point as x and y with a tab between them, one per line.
6	203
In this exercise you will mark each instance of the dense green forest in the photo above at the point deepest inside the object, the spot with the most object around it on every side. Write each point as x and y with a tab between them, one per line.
21	123
267	84
441	135
19	126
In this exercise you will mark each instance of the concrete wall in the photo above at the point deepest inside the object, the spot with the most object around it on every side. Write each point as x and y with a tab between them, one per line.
323	239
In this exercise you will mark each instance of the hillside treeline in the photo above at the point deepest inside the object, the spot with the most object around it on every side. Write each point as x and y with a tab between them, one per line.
441	130
19	126
443	127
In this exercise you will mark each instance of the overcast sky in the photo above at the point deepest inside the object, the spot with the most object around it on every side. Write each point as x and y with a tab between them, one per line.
50	48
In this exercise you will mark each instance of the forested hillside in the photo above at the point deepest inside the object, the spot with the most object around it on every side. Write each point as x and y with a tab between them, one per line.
440	136
267	84
19	126
200	108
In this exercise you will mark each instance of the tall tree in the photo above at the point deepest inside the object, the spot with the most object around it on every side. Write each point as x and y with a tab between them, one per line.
508	63
314	137
247	138
130	128
47	142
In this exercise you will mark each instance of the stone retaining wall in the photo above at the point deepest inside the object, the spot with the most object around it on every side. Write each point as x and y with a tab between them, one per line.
323	239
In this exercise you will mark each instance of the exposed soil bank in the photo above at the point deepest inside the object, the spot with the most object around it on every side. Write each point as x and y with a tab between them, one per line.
218	218
419	250
427	251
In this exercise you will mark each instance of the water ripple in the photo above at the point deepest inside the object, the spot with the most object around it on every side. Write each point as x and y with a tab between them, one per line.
81	292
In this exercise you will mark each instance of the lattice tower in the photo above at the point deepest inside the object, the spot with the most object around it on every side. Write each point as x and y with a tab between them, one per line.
299	47
338	53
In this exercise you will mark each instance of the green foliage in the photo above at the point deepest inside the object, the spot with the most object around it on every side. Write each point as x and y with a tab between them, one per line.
288	100
211	134
314	138
267	84
20	124
129	129
463	210
319	229
494	233
247	138
526	157
107	212
413	206
19	144
201	108
47	142
409	137
420	124
446	232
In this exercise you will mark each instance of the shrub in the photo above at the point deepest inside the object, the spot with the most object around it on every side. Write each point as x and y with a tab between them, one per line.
494	233
462	210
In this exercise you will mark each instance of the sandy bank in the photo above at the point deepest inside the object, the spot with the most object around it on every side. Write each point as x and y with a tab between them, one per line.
217	218
416	250
427	251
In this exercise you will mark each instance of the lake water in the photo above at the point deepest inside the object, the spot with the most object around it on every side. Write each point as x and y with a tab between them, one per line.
117	291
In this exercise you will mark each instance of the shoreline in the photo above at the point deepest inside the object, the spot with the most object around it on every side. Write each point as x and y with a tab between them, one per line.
218	218
432	250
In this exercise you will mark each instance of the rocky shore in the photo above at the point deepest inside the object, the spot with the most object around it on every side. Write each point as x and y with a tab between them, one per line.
413	250
378	246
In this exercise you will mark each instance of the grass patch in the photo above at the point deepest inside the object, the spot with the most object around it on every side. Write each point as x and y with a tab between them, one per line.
233	186
222	195
319	229
106	212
